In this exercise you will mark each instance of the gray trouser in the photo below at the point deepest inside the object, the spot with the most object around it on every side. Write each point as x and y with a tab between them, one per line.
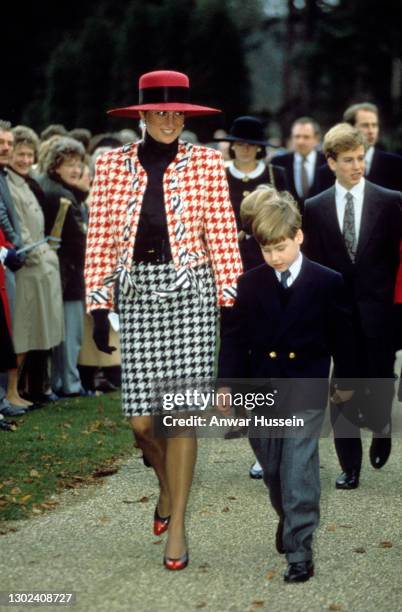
65	375
292	475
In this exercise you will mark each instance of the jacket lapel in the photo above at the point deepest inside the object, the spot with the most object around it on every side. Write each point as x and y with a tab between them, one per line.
370	213
297	300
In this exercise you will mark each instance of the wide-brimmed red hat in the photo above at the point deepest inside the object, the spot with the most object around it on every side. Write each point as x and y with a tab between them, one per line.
163	90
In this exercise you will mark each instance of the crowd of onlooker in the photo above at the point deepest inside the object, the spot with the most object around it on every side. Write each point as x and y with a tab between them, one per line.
46	345
46	342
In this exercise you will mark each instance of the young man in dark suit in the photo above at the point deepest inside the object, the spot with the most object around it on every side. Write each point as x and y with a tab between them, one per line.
355	228
303	163
381	168
289	318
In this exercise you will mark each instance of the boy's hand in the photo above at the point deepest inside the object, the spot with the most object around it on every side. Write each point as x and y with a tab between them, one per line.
342	395
222	402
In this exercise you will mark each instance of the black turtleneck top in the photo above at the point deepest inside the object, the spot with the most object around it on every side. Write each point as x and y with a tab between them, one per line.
152	232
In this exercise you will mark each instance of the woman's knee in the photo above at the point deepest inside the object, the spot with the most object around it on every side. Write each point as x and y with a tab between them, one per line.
142	427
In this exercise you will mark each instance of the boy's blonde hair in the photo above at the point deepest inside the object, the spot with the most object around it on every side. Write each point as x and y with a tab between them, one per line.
273	216
342	137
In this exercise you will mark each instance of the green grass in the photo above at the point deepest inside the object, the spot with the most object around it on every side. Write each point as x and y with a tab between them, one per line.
60	446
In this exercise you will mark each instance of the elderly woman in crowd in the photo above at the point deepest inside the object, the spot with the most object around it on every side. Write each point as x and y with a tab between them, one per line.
38	316
63	170
161	224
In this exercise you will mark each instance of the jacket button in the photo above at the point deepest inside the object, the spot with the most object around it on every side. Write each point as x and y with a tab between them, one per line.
273	355
292	355
246	193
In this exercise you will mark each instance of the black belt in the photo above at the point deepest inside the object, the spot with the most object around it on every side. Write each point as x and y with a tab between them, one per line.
158	253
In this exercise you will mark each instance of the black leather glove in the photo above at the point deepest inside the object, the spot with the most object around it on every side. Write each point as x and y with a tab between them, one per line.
100	333
13	261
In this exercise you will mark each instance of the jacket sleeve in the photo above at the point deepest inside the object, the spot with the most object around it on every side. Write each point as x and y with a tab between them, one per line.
221	232
5	224
101	251
234	337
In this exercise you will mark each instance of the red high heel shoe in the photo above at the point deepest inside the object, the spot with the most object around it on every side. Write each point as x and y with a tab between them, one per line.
161	523
176	564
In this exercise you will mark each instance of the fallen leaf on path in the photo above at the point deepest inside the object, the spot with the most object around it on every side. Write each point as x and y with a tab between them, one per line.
34	474
331	527
24	499
226	509
143	500
385	544
359	549
334	607
232	497
157	542
346	526
105	519
270	574
258	603
105	472
128	501
15	491
201	605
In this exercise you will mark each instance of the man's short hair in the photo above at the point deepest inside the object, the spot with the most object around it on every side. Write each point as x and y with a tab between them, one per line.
306	121
82	135
54	129
273	215
342	137
350	114
5	126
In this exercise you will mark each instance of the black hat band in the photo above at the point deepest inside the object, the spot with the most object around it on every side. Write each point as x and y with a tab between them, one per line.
156	95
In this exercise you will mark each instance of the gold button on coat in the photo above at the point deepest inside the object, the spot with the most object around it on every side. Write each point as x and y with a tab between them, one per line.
292	355
273	355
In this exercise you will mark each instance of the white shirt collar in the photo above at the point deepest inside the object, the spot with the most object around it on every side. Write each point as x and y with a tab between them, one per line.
311	157
294	270
251	175
357	191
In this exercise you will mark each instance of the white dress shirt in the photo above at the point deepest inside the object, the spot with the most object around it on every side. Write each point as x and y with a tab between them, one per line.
294	270
340	199
310	168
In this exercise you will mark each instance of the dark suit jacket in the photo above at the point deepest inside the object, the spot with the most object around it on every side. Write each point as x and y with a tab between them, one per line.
286	162
370	281
385	171
263	338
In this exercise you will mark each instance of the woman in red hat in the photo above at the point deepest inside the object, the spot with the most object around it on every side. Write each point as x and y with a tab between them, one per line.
162	226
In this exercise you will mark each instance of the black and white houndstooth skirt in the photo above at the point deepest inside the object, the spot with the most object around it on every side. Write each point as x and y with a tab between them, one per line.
165	338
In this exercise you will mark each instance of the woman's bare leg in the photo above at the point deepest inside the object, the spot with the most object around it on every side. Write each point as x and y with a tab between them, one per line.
181	455
154	450
12	385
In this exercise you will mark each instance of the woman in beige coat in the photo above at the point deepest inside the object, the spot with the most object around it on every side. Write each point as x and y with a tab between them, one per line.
38	319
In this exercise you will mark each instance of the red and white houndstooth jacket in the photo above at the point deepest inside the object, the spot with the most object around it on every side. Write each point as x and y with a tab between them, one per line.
200	220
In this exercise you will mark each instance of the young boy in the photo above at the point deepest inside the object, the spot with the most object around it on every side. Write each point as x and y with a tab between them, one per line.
288	320
355	228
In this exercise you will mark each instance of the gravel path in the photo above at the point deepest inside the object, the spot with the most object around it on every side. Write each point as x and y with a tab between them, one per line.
99	543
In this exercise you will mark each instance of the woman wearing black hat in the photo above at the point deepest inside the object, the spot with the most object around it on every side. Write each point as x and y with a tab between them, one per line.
247	170
162	226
